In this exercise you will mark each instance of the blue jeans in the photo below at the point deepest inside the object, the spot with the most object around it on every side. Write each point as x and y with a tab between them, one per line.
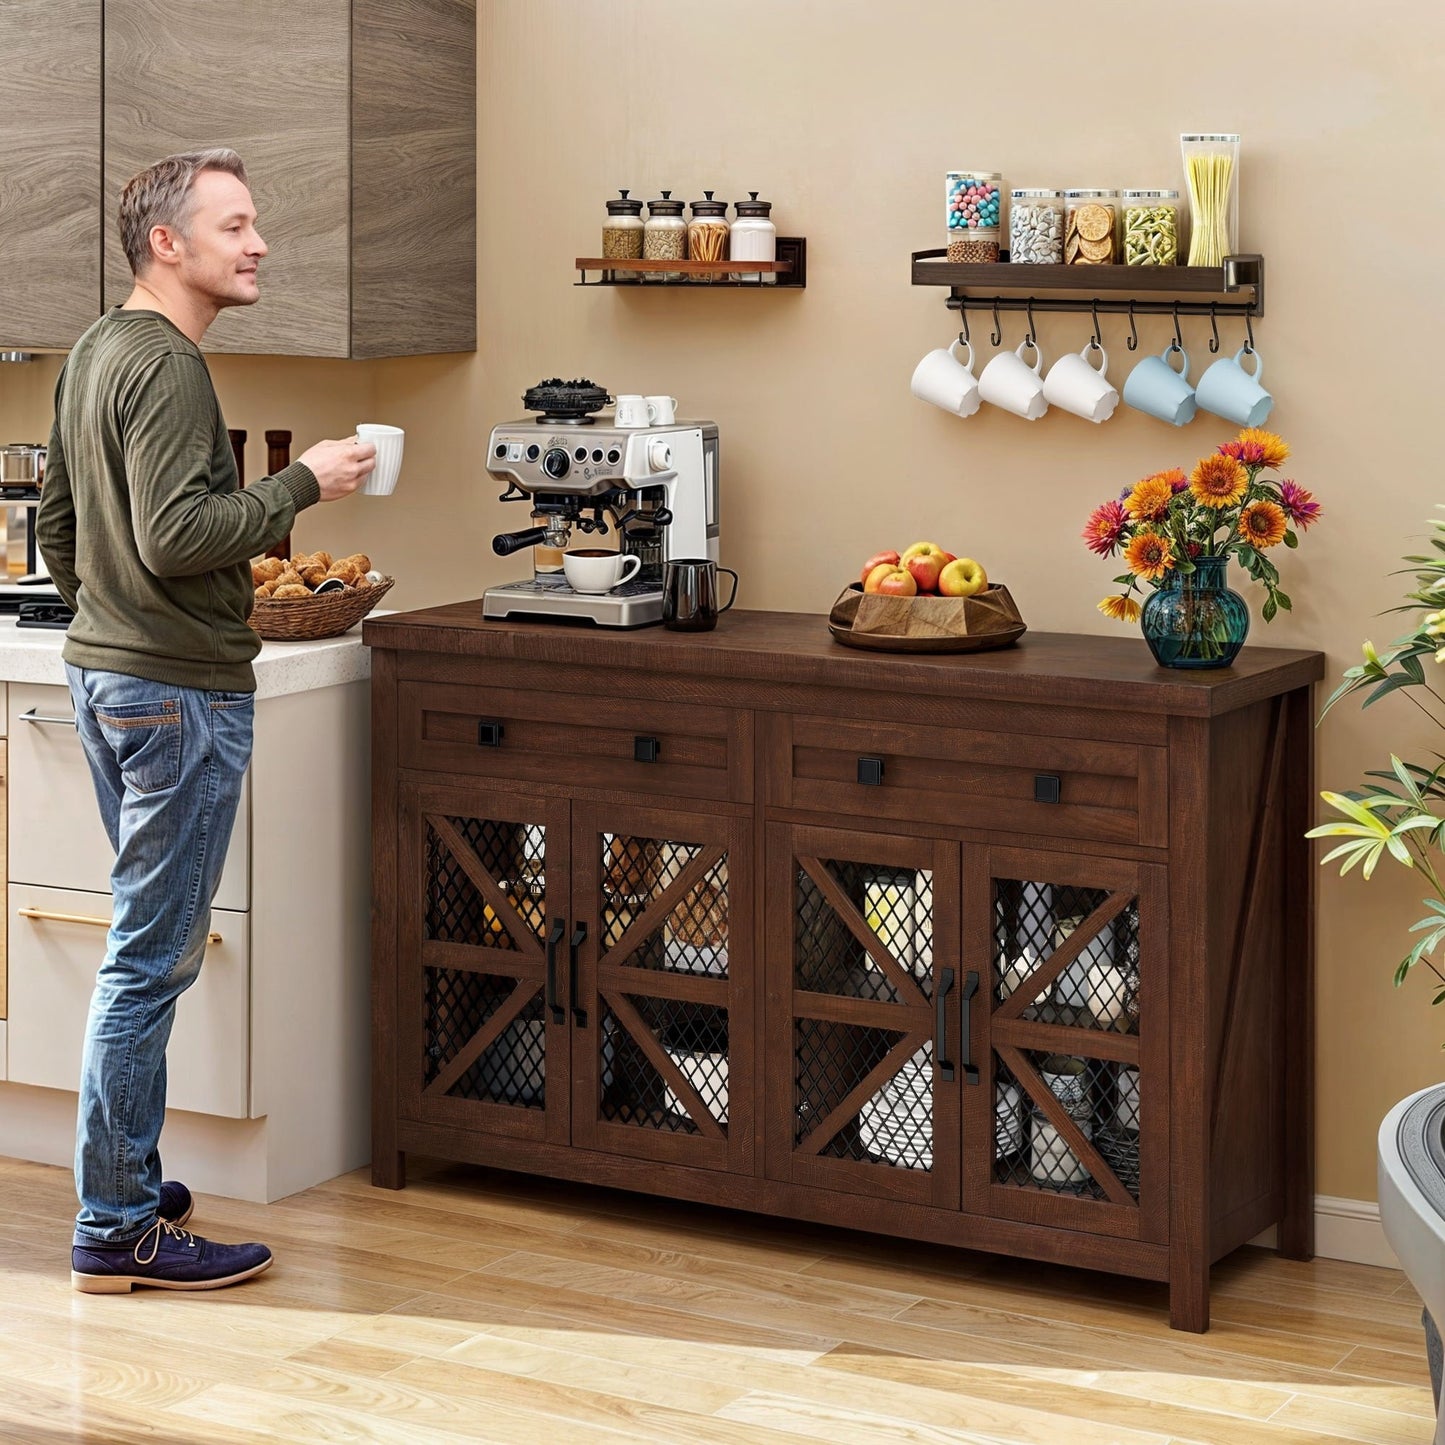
168	764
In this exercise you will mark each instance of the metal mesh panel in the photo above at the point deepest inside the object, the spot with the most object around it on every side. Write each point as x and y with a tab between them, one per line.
695	1036
896	903
513	1069
693	938
1100	989
456	912
830	1060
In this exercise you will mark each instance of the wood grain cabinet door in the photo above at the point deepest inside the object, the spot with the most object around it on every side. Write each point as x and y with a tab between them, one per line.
661	985
1068	1124
271	79
482	911
49	171
863	954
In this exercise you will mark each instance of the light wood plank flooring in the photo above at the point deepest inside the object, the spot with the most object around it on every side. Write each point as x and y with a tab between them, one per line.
480	1306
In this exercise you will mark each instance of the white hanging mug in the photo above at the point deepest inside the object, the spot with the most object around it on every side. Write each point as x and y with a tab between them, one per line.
1008	381
1076	385
947	381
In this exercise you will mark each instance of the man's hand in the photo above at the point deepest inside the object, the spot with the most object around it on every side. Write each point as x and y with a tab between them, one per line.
339	467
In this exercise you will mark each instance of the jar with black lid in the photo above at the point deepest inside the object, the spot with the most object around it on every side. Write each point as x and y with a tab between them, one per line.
754	238
622	235
664	236
707	236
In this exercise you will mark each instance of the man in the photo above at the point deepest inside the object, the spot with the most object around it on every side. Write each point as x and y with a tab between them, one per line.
148	537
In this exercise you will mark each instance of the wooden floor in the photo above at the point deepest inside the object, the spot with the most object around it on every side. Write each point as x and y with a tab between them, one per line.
481	1306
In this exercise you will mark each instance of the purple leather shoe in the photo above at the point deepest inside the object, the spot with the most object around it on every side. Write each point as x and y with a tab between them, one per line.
164	1257
176	1204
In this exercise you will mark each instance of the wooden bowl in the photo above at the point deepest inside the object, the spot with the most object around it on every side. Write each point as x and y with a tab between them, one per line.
926	624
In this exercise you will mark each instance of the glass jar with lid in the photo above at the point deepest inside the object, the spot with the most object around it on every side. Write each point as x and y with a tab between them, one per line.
622	235
1091	227
972	202
1036	227
664	236
1211	168
707	236
754	238
1151	227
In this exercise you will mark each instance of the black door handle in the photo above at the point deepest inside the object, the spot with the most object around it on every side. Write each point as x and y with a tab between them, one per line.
645	750
554	937
1046	788
579	1015
941	1066
970	1069
870	772
489	734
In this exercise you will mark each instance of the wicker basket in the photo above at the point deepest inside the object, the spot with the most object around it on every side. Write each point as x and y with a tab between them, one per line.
304	619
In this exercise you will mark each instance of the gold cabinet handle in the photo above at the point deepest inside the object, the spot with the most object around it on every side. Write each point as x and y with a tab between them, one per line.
44	915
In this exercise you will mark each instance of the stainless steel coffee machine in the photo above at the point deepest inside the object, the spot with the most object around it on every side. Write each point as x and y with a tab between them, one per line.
647	491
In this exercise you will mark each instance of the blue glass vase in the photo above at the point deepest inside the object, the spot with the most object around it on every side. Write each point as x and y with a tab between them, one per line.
1194	620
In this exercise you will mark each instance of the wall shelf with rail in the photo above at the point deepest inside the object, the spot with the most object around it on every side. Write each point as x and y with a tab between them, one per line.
791	270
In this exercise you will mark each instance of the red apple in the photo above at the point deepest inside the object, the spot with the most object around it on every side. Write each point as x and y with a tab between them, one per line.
877	560
962	578
925	567
891	581
920	549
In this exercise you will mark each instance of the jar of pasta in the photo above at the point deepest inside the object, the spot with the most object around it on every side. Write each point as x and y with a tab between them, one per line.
1091	220
622	234
707	236
1211	169
971	208
1036	227
1151	227
664	236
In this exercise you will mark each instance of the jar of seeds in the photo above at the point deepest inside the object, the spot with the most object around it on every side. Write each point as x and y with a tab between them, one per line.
622	235
664	236
1091	223
971	208
1151	227
707	236
1036	227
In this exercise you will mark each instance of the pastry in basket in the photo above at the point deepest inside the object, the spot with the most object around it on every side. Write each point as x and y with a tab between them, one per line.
268	569
291	589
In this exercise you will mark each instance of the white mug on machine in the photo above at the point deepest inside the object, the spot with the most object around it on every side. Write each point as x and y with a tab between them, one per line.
1008	381
1075	384
946	380
389	442
592	570
632	411
661	410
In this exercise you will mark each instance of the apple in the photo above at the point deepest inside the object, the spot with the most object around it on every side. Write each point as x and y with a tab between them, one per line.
962	578
925	567
877	560
920	549
890	581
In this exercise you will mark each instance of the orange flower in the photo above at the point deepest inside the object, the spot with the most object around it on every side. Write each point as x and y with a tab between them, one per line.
1218	481
1262	524
1149	556
1272	450
1149	500
1121	609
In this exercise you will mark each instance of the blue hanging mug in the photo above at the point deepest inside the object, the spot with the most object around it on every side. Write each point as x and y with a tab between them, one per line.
1156	388
1228	390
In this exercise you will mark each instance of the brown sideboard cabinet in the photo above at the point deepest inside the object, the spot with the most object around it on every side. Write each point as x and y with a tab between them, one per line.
1010	951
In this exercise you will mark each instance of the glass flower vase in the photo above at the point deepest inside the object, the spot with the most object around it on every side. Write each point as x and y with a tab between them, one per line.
1195	620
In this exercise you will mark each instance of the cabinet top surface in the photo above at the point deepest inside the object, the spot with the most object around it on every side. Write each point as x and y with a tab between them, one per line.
795	647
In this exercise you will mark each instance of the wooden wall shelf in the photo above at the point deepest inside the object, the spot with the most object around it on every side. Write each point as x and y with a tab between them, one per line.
790	268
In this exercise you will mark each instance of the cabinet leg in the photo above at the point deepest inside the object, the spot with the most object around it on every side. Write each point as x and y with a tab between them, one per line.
1189	1300
388	1169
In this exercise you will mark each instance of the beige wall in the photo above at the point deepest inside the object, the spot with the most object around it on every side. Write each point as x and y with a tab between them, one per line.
846	114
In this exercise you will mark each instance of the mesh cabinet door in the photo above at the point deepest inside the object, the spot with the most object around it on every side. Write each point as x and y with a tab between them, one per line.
483	1046
863	1036
663	1006
1072	1032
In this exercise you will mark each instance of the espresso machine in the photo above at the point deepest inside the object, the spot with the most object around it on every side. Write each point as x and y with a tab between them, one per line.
647	491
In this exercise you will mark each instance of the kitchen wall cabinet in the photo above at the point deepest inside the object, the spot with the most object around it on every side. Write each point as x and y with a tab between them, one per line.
1028	967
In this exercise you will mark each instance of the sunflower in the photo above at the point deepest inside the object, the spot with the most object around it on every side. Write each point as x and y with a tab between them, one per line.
1121	609
1218	481
1149	556
1102	529
1299	504
1262	524
1178	482
1149	500
1256	448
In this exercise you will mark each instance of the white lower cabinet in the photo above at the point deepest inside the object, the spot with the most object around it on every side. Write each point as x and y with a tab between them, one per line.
53	963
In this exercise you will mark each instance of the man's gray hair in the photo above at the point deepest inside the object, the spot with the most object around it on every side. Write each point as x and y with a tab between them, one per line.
160	195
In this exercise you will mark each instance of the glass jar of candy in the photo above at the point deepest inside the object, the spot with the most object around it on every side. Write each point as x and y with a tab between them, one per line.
1091	222
1036	227
1151	227
972	206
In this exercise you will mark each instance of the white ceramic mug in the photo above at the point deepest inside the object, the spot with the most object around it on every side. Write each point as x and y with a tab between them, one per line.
1076	385
661	410
1008	381
596	571
946	381
632	411
388	441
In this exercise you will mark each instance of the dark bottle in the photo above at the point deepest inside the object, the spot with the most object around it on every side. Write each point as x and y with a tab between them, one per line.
278	458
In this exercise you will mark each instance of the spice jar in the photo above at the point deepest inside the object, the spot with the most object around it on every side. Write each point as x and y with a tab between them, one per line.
1151	227
971	208
1036	227
1091	221
754	238
664	236
1211	167
707	236
622	235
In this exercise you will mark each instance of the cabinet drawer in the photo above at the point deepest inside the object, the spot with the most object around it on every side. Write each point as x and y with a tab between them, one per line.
973	779
53	963
610	743
56	837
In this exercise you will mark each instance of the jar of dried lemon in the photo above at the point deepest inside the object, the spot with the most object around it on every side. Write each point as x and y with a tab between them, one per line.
1091	220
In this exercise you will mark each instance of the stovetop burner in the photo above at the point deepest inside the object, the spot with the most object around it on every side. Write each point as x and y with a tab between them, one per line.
569	402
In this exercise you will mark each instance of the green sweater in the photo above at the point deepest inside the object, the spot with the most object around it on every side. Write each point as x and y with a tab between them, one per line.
143	524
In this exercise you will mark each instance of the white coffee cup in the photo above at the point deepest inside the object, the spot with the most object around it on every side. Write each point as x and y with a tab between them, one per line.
596	571
632	411
661	410
1008	381
946	381
388	441
1076	385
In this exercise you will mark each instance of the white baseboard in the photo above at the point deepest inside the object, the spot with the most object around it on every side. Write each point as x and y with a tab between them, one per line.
1346	1229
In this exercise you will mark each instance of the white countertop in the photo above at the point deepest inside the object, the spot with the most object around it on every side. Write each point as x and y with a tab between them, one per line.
32	654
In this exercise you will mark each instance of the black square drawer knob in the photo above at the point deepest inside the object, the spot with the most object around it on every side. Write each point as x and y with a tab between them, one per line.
489	734
645	750
1046	788
870	772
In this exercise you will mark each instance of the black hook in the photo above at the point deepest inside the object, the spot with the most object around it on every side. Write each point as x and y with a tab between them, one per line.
1178	337
1133	342
1097	342
1249	335
963	335
1214	325
997	337
1030	337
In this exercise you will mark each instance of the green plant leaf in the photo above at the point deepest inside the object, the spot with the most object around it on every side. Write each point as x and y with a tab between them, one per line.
1290	540
1268	610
